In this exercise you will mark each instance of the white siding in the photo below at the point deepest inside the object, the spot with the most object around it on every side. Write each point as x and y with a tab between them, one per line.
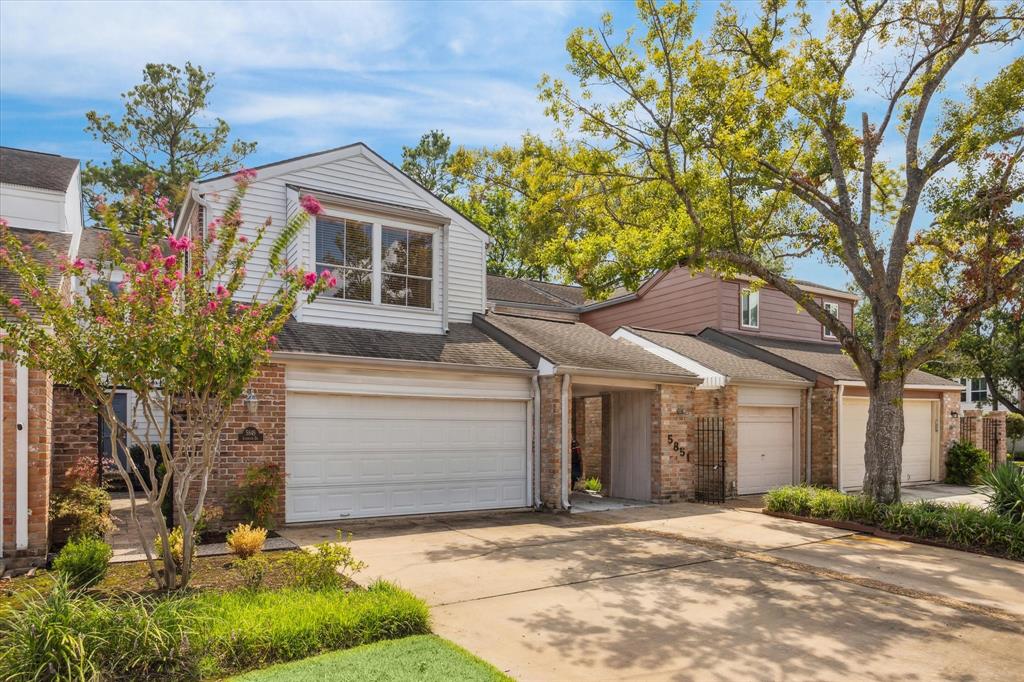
356	172
33	209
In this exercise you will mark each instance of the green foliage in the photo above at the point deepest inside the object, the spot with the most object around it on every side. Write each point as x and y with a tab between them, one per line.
957	525
70	635
83	561
253	629
593	484
995	347
429	163
327	564
162	137
253	569
966	464
258	494
426	657
1014	427
1005	491
83	511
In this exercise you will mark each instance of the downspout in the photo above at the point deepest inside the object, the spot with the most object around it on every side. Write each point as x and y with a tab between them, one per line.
444	275
839	437
21	457
810	432
3	368
535	457
566	443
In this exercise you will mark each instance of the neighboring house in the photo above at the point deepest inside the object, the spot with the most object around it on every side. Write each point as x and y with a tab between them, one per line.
40	197
975	395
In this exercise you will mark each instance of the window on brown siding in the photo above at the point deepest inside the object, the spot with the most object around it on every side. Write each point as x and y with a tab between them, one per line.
750	308
834	309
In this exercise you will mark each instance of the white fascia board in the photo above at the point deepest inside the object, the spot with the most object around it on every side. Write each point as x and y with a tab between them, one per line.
914	387
712	379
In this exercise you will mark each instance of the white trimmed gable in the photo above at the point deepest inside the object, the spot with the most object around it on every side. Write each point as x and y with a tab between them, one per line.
364	186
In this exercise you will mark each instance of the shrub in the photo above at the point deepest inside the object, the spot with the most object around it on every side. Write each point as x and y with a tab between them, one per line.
1005	491
255	629
965	464
245	541
328	564
83	511
253	570
1014	427
789	499
257	495
70	635
208	518
176	539
83	561
593	484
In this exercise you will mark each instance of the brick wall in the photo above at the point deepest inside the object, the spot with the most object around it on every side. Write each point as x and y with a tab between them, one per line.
672	413
75	433
587	430
824	453
949	425
40	411
551	440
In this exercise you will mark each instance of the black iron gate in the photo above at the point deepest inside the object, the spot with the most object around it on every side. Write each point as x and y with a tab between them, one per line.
710	459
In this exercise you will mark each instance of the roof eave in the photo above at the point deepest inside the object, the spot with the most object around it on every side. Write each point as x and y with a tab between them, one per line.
295	356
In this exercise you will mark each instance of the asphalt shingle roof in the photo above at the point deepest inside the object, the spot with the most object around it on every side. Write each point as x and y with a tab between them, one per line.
732	363
830	360
46	247
463	345
509	290
575	344
36	169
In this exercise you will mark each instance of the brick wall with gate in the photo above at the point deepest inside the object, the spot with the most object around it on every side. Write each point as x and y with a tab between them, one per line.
986	431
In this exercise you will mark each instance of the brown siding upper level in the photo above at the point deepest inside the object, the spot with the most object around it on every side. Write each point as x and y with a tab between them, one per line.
683	302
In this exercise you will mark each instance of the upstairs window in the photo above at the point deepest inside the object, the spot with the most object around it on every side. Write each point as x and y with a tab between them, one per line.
975	391
345	247
407	265
749	308
834	309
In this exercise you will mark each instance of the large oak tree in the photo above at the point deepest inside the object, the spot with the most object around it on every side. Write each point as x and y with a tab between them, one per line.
787	135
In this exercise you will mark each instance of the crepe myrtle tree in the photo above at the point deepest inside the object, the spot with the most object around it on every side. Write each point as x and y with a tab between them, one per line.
180	331
786	134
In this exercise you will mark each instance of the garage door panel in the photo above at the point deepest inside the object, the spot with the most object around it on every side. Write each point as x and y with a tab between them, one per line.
918	439
350	456
765	448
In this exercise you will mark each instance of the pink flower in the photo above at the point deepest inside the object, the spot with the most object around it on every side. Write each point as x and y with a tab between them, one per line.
244	177
162	202
170	262
35	293
222	291
15	301
3	251
273	340
309	280
332	282
211	306
243	239
311	205
143	266
79	264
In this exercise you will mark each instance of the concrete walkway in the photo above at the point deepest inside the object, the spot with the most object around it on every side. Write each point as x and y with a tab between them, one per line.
693	592
947	494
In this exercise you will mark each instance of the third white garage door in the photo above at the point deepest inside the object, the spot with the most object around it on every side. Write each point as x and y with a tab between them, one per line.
765	448
918	440
359	456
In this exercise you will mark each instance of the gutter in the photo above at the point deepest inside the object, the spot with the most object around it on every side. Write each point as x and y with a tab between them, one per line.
913	387
839	436
566	444
535	458
288	356
626	374
810	432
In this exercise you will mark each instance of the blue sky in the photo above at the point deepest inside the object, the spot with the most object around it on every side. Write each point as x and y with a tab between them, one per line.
300	77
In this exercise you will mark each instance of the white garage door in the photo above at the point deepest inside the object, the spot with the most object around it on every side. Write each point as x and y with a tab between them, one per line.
359	456
765	448
917	440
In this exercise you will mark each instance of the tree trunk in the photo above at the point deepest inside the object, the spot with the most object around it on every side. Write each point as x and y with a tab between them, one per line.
883	444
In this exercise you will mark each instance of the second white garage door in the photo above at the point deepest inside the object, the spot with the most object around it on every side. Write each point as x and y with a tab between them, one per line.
764	449
918	439
359	456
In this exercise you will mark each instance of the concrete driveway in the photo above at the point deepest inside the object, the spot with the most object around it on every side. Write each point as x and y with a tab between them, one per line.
691	592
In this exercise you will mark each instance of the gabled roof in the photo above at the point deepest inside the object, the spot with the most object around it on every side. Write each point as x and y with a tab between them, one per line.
577	346
826	359
463	345
36	169
729	362
530	292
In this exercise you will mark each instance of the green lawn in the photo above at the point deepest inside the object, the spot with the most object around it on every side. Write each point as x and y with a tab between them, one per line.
419	658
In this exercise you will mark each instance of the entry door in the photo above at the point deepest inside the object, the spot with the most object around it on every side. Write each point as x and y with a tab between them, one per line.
121	411
631	445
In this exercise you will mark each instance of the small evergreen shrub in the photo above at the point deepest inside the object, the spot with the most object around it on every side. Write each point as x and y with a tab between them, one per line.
1005	491
83	561
83	511
176	539
253	569
966	463
245	540
258	494
327	565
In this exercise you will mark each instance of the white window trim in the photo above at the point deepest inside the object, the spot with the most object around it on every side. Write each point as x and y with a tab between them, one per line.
754	296
832	307
376	276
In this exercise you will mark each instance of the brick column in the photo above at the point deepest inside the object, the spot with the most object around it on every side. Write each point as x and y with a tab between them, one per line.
551	441
1000	419
590	441
606	441
672	413
973	433
824	449
949	427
